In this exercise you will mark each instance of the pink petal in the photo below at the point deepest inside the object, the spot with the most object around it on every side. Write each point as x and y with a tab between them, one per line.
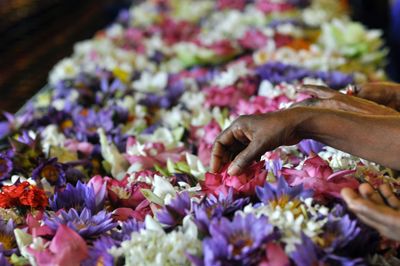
68	247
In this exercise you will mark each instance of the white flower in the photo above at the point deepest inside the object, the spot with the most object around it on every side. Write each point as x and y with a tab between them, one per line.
151	82
292	226
152	246
231	74
197	169
162	187
65	69
110	153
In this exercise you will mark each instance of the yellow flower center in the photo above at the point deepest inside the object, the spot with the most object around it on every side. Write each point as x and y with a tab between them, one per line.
285	203
7	241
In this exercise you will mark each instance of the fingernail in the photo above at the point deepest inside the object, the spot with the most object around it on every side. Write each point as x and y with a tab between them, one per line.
233	169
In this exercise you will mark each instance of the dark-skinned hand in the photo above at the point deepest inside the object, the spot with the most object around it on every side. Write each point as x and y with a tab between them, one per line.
383	214
250	136
385	93
325	97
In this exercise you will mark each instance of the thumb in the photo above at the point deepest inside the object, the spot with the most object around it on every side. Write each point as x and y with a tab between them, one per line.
252	152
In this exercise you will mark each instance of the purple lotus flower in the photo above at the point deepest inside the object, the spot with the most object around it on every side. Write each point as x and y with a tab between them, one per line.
277	72
87	121
275	166
308	145
238	242
6	166
79	197
307	253
7	239
212	207
3	257
166	100
274	192
127	228
98	254
53	171
172	214
347	241
85	224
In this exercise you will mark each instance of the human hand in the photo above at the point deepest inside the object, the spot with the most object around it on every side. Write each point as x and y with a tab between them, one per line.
380	213
325	97
385	93
250	136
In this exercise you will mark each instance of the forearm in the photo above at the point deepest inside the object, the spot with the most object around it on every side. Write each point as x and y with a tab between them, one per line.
375	138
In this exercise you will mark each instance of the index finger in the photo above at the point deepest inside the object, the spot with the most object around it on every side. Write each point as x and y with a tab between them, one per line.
220	151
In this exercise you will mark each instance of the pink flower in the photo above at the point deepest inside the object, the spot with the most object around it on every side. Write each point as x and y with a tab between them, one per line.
83	147
99	185
126	194
318	176
211	131
229	96
123	214
152	154
243	185
256	105
36	227
275	256
174	31
231	4
253	40
66	249
268	6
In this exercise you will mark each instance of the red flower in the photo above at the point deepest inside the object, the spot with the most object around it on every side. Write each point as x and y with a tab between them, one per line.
243	185
23	195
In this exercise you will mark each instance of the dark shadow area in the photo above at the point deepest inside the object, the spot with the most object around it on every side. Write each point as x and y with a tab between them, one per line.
36	34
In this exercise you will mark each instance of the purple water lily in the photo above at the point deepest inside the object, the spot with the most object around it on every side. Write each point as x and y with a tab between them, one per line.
307	253
212	207
127	228
6	166
52	170
277	72
98	254
79	197
347	241
172	214
3	257
273	192
7	238
84	223
237	242
308	145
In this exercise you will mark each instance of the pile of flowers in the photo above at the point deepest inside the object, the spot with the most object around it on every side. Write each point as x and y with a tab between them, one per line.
110	165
